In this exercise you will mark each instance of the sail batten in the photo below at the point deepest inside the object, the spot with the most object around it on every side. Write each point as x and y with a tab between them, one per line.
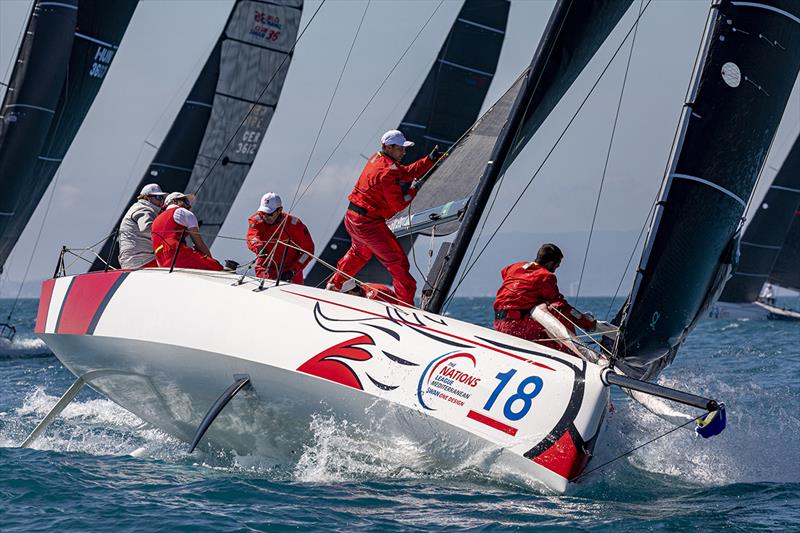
739	91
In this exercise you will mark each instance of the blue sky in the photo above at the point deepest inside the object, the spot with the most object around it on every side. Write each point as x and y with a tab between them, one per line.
168	41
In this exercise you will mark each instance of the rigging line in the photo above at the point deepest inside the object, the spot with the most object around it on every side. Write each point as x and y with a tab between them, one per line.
608	157
550	152
330	103
358	117
258	99
620	456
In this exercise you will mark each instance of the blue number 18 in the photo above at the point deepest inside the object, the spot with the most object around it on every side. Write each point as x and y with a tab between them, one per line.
521	395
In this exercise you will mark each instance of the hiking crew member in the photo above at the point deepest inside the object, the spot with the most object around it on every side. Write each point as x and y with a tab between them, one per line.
169	231
525	286
382	189
269	229
135	242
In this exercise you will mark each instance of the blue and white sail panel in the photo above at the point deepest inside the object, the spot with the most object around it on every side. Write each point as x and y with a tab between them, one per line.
254	61
741	85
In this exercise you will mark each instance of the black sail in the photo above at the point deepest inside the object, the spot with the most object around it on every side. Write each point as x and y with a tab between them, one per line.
764	238
740	88
458	190
786	271
446	105
215	137
62	62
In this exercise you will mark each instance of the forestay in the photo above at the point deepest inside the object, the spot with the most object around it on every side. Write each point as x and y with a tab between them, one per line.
764	239
215	137
444	108
741	84
465	180
67	49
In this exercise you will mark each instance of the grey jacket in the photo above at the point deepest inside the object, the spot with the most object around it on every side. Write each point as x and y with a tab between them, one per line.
135	243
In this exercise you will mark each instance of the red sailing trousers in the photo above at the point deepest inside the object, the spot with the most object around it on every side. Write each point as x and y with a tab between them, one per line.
371	236
187	258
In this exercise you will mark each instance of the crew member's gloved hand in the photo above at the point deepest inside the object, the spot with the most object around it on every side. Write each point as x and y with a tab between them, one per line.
287	275
436	154
712	424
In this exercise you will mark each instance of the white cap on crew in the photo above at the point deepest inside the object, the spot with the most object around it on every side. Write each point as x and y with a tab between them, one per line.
395	137
171	197
152	189
270	203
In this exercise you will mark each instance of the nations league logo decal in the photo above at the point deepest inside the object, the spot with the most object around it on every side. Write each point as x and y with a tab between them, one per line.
449	378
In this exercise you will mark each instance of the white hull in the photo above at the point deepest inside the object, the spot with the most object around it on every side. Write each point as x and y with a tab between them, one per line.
752	311
171	343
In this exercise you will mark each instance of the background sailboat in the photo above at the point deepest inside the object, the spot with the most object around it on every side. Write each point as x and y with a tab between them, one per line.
217	133
63	59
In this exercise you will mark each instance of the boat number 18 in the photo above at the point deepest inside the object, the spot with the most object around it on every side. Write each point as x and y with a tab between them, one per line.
518	404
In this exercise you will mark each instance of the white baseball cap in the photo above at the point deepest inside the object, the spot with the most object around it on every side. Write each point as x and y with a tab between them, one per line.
152	189
171	197
395	137
270	203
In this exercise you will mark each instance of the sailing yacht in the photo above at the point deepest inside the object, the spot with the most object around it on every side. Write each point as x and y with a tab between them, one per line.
257	360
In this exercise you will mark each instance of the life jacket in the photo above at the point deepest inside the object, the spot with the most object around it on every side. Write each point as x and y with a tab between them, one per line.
167	235
382	189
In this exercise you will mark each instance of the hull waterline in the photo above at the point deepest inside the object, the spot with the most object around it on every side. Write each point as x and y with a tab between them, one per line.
461	391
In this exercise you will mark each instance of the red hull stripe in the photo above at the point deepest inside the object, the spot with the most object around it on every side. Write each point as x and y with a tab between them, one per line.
492	423
44	305
563	458
86	299
471	341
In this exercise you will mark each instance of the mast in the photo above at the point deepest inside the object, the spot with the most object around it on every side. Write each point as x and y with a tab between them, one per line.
741	83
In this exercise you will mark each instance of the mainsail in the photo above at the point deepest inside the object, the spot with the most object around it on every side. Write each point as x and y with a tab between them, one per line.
454	197
446	105
764	238
63	59
745	73
216	135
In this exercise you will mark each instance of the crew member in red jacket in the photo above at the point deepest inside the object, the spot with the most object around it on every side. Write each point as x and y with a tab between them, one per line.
383	189
525	286
169	231
267	235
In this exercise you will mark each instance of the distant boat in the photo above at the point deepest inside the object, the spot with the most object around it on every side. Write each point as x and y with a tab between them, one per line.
65	54
218	131
284	353
769	251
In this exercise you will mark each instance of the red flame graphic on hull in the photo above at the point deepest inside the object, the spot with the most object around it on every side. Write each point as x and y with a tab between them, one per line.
326	365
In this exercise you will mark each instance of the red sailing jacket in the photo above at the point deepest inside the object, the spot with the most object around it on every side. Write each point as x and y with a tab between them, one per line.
526	285
166	235
378	187
294	231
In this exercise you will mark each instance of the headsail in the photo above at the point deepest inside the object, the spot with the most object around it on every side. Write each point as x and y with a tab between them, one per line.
446	105
745	73
458	190
62	62
228	102
765	235
786	272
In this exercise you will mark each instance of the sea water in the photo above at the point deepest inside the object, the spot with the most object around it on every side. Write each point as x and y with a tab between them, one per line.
100	468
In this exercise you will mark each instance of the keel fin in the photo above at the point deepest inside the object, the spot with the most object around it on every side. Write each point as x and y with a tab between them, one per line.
65	400
217	408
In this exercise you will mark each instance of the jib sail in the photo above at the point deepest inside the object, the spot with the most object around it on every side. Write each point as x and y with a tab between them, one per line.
457	191
215	137
446	105
62	61
764	239
786	271
740	87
